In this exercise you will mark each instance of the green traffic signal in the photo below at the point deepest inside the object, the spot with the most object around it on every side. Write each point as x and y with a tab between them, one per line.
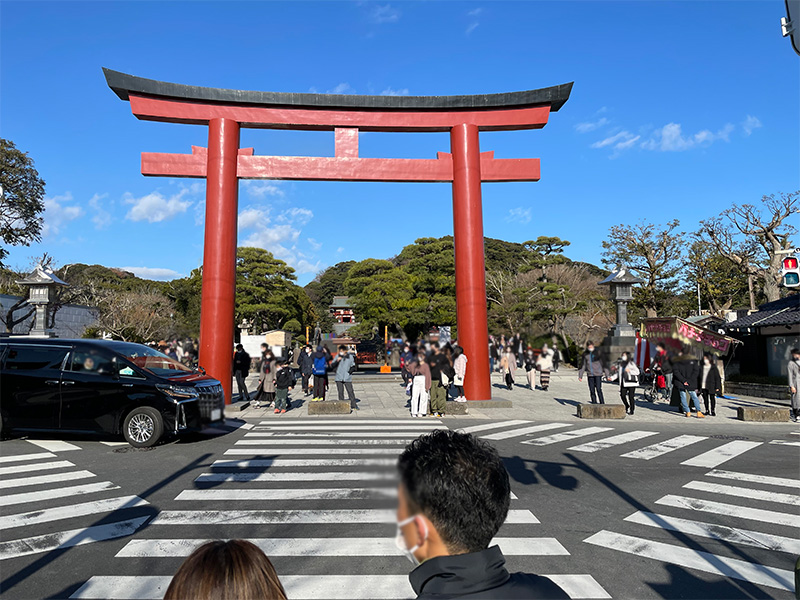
791	279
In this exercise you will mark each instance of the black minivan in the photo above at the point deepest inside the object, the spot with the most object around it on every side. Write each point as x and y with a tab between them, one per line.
102	386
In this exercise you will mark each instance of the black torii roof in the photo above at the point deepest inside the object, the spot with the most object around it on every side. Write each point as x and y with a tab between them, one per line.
123	85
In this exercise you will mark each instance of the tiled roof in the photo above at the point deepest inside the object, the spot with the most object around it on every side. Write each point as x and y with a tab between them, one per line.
785	311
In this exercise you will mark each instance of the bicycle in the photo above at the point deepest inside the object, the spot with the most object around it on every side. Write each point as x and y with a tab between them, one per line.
652	392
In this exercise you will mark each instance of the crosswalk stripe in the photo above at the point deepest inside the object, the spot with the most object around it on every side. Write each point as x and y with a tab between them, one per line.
733	510
577	587
724	453
310	451
784	443
357	421
321	442
335	476
52	478
311	462
307	587
650	452
741	492
34	456
407	436
261	517
504	435
58	464
48	515
734	535
567	435
614	440
498	425
54	445
65	492
347	546
406	428
68	539
114	443
289	494
695	559
781	481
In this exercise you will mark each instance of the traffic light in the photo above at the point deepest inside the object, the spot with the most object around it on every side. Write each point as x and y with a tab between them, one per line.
791	272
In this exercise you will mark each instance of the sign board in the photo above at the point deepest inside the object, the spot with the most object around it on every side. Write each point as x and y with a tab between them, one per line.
674	328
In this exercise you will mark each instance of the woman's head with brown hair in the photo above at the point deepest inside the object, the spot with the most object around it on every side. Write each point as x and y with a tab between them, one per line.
232	570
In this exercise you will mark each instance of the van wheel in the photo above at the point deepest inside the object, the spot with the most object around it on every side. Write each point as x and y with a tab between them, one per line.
143	427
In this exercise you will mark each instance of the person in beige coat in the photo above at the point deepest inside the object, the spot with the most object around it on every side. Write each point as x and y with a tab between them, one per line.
508	366
544	364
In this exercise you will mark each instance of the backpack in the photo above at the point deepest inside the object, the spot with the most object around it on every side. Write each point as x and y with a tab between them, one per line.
320	365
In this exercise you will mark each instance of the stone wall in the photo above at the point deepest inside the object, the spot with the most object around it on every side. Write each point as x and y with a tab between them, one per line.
71	319
757	390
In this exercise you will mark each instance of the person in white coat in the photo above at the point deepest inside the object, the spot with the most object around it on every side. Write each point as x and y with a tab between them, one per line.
460	367
628	381
544	364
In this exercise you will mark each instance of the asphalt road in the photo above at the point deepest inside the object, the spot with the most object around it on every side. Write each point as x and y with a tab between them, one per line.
609	509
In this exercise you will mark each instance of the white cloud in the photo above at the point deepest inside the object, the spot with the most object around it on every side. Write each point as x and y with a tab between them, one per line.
296	216
474	12
280	235
340	249
100	217
261	189
342	88
622	136
315	245
471	27
627	144
384	14
392	92
588	126
750	124
153	273
58	212
519	215
154	207
253	217
670	138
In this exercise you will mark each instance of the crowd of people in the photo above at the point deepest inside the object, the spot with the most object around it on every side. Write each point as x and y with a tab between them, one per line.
446	520
433	373
184	351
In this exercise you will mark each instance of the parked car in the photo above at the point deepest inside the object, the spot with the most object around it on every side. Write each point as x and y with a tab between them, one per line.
102	386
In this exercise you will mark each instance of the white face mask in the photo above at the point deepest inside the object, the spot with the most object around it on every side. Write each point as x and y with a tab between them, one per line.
400	541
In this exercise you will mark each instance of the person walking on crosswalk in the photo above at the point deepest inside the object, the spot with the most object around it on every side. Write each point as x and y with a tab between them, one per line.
447	517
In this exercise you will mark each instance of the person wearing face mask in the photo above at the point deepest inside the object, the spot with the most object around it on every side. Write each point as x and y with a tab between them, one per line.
529	362
794	384
447	517
545	364
628	382
345	364
306	365
686	373
709	384
592	366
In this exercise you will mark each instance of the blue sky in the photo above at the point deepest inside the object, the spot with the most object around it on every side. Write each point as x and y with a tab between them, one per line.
679	109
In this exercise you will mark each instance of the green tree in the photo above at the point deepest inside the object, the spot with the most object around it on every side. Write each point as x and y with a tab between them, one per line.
381	293
21	200
722	285
544	252
654	253
326	285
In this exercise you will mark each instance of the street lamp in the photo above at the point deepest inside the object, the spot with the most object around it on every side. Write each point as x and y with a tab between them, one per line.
41	284
622	337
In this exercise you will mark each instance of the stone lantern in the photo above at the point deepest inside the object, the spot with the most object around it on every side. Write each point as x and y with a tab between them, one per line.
621	337
41	286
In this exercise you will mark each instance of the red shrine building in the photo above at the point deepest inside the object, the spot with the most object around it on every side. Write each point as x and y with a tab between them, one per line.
344	315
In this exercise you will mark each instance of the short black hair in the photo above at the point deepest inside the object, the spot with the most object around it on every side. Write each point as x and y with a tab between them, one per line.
795	350
458	482
239	347
342	347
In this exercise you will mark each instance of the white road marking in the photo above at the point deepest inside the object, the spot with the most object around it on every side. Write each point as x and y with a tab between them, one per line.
784	443
311	462
329	476
52	478
19	457
261	517
58	464
504	435
693	559
498	425
724	453
295	442
68	539
347	546
718	532
567	435
408	436
246	426
75	490
356	420
614	440
781	481
54	445
741	492
721	508
48	515
262	494
649	452
114	443
405	428
580	586
310	451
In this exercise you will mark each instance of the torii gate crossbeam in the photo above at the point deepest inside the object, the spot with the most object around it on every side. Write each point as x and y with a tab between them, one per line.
223	163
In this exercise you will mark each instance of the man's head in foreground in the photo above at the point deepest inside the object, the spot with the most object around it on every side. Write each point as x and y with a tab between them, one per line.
453	496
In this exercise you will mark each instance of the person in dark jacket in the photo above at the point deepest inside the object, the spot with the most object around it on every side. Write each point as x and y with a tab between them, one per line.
592	365
241	368
319	368
438	364
685	375
663	366
709	384
306	366
284	380
447	517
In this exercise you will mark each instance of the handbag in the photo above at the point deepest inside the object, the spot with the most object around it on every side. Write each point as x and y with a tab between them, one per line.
661	382
509	379
459	381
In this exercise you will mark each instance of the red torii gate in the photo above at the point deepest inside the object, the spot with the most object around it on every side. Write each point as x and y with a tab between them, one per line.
223	163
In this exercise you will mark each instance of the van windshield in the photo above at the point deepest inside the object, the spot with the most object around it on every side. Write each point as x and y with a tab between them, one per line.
153	360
